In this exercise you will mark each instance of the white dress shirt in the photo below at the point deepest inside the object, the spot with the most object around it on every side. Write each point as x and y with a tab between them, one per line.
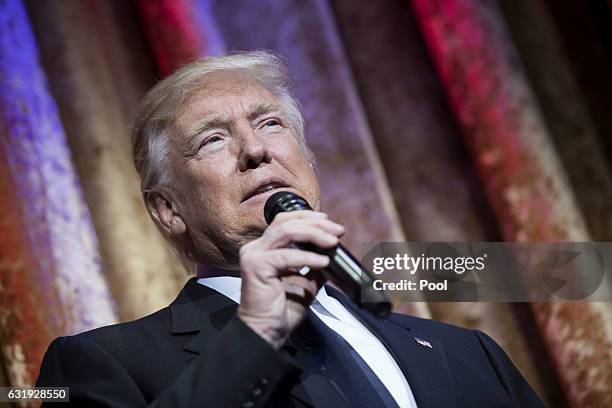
340	320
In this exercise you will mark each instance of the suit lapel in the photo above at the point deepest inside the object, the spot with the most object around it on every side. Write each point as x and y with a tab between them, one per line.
217	320
203	312
425	368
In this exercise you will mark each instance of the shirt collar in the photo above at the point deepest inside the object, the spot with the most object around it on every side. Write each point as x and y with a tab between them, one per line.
226	285
230	286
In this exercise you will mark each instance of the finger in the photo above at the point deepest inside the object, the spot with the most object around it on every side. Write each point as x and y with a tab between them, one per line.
282	218
284	259
303	299
300	234
322	233
311	282
305	271
303	288
328	225
317	275
316	218
299	288
299	214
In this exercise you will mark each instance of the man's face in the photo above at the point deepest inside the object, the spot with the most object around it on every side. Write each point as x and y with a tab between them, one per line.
231	149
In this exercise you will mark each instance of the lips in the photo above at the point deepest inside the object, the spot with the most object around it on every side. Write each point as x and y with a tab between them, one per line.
263	187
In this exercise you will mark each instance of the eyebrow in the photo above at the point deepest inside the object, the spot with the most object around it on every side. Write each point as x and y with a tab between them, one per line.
255	110
213	123
259	109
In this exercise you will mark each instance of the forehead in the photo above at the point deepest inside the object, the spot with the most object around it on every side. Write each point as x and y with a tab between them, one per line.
223	95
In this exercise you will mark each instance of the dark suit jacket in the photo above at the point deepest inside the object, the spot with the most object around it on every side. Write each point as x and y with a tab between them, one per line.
197	353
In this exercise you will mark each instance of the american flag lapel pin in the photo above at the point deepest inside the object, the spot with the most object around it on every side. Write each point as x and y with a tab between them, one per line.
423	343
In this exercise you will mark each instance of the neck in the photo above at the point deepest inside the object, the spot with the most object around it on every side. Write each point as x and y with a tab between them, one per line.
208	271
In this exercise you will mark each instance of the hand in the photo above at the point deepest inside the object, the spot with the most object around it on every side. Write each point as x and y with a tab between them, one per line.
275	297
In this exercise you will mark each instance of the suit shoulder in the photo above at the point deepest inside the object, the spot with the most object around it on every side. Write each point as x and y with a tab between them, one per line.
114	337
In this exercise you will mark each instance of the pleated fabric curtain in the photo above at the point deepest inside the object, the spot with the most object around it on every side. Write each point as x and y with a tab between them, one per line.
51	278
522	174
440	120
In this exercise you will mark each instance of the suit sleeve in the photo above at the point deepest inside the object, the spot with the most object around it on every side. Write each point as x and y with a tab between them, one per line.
239	368
520	391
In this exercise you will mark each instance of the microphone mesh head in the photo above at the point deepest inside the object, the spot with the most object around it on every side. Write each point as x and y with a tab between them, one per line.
283	201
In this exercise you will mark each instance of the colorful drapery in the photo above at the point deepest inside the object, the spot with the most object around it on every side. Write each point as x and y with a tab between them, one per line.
438	113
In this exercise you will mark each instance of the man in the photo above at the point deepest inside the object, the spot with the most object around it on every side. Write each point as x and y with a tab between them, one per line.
212	142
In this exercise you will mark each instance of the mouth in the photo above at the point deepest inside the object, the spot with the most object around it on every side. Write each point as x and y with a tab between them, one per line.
263	188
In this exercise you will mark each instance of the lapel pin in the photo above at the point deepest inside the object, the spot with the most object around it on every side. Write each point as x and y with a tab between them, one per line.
423	343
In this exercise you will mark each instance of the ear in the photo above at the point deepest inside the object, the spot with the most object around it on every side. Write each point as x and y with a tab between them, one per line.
165	214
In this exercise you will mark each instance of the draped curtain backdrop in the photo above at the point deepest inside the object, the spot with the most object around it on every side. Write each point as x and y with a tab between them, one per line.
442	120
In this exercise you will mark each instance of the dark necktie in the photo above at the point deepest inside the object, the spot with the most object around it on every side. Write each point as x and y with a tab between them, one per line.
341	364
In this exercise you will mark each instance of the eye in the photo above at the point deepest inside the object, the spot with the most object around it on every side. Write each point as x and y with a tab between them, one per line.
211	140
271	125
272	122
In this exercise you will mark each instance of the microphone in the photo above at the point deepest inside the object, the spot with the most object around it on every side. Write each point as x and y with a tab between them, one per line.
344	269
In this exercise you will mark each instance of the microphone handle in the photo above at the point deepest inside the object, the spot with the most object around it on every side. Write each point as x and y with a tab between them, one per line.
348	274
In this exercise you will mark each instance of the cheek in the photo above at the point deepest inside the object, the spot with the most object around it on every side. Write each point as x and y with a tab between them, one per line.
288	152
204	188
210	173
299	163
293	159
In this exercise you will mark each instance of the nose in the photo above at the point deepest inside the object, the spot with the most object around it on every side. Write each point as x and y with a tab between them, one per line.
253	151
